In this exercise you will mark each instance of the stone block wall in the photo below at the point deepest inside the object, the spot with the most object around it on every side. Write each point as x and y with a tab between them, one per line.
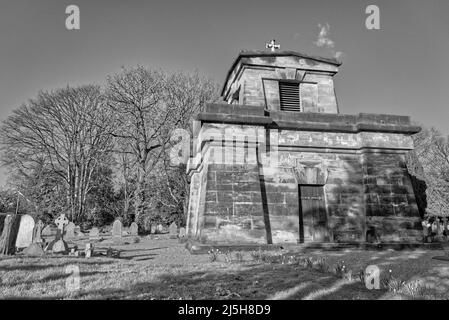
389	197
363	175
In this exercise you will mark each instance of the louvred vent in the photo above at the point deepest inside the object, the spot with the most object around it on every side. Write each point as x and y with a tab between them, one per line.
289	96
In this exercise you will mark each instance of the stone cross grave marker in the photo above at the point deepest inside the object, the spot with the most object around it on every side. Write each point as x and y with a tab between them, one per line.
117	229
25	234
61	222
173	230
37	238
70	230
134	229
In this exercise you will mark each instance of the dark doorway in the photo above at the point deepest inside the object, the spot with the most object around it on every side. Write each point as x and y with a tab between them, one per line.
312	214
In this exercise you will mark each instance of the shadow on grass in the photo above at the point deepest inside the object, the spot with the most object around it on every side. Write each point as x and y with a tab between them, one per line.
55	277
265	281
42	265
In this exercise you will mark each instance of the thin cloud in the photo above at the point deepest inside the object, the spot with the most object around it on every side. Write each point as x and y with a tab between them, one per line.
323	37
338	55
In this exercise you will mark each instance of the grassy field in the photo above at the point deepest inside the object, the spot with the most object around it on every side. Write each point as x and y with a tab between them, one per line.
163	269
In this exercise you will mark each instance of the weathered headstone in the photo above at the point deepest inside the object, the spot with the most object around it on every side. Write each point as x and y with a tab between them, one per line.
34	249
173	230
37	237
159	228
47	231
117	229
70	230
60	246
94	234
89	250
25	234
153	228
6	247
439	228
134	229
182	233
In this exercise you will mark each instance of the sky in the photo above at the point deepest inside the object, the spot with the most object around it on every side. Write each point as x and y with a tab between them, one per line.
402	68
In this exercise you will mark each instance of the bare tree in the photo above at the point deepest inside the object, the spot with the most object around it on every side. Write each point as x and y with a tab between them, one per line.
148	105
61	128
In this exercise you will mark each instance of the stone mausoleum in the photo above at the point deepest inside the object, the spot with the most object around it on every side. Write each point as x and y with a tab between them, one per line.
278	163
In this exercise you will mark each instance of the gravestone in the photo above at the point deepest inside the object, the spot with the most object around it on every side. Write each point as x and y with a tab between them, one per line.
153	228
47	231
94	234
159	228
37	237
25	234
34	249
61	222
70	230
89	250
182	233
173	230
5	241
134	229
74	252
117	229
60	246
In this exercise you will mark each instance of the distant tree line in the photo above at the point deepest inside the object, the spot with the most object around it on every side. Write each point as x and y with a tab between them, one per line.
101	153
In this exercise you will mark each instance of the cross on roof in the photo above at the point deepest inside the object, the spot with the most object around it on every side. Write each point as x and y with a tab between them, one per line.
272	45
61	222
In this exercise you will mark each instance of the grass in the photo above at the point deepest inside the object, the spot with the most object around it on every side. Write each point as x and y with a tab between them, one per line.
162	269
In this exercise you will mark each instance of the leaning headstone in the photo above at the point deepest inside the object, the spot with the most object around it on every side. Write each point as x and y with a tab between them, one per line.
70	230
25	234
117	229
34	249
134	229
37	237
94	234
182	233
